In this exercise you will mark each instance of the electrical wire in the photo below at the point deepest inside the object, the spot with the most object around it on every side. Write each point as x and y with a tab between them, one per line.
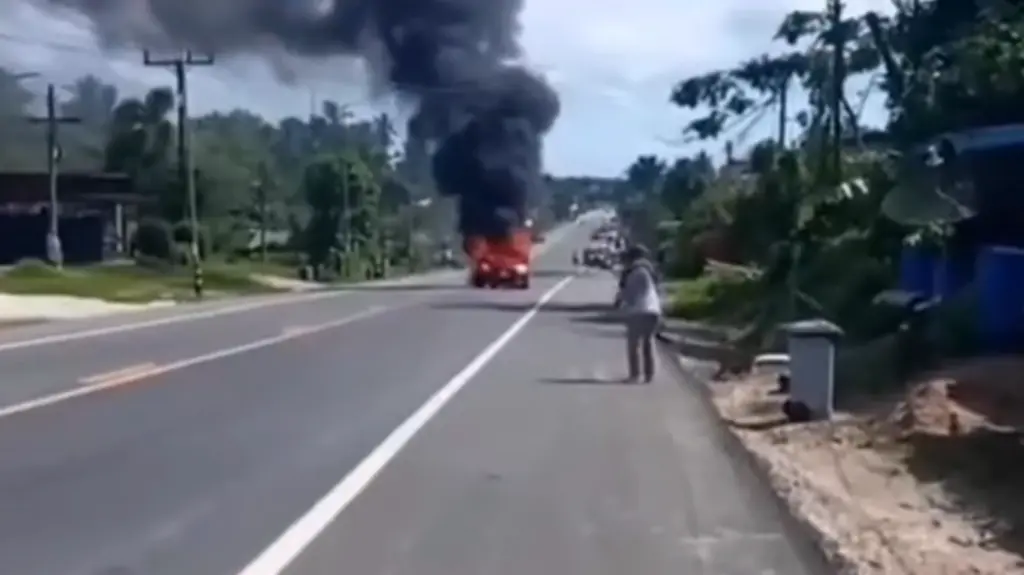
731	126
94	51
755	119
11	38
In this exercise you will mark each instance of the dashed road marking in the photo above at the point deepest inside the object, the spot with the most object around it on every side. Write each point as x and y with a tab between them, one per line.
118	374
112	380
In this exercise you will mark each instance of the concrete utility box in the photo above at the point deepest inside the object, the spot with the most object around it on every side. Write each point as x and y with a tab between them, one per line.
812	359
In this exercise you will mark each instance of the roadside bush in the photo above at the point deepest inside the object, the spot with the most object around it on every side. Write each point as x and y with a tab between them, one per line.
182	235
153	239
711	297
684	261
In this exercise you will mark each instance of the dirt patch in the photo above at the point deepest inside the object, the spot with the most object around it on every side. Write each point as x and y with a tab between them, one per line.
916	484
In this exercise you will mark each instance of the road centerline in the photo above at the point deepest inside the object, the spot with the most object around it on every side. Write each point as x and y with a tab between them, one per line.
118	373
118	378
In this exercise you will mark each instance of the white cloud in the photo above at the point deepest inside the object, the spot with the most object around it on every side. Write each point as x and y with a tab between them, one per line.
618	60
613	62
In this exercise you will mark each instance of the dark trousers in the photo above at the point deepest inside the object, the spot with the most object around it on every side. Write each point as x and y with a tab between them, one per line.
640	331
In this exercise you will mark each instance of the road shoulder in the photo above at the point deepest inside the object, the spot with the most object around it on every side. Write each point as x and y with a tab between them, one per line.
547	463
858	485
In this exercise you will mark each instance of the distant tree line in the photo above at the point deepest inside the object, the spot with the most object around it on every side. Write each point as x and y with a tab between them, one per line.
343	190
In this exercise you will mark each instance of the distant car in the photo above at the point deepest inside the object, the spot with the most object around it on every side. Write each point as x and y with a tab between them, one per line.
595	256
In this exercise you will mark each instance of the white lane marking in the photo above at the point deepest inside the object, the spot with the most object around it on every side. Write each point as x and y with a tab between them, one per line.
118	373
283	551
216	312
554	238
131	376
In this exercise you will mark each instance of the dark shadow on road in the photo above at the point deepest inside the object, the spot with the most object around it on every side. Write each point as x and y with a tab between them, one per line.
607	318
523	307
703	349
696	331
555	273
585	381
410	287
601	333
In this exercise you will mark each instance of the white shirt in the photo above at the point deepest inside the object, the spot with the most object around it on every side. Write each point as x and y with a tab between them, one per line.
640	292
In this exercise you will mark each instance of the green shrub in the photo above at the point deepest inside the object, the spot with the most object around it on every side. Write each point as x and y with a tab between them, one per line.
712	297
182	235
153	238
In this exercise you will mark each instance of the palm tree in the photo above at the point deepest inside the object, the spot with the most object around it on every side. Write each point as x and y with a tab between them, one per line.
140	133
685	181
331	130
92	100
645	174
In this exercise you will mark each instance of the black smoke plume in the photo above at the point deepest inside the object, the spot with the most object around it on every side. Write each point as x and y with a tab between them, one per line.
483	114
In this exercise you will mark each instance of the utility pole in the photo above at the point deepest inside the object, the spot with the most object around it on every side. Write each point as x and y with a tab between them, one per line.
380	264
783	111
410	238
834	12
186	171
346	217
54	250
261	201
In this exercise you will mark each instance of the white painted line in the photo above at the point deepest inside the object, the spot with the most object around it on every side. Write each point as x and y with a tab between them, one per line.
295	330
272	301
177	318
283	551
554	238
118	373
117	379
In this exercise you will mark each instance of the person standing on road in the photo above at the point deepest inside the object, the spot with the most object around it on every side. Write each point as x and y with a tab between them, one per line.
639	299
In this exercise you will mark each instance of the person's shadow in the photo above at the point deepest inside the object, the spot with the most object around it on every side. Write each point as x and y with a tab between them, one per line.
585	381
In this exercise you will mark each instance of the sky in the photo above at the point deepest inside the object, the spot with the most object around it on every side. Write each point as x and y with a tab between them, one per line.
613	63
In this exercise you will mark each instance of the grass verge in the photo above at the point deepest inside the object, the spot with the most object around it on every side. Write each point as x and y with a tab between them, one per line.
129	283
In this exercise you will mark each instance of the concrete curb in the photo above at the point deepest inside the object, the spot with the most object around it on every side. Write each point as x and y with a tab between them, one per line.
817	549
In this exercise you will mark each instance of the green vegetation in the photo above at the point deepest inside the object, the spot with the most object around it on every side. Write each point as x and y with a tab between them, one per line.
329	191
125	283
713	298
819	216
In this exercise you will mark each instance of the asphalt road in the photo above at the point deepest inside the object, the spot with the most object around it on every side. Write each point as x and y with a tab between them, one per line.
422	428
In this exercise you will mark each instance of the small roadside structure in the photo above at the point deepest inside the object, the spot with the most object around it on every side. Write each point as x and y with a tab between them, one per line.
93	210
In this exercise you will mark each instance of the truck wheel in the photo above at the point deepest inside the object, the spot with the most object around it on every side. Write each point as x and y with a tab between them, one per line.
478	282
524	284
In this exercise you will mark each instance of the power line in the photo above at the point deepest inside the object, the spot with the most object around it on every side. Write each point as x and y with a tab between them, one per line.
92	50
60	46
754	113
